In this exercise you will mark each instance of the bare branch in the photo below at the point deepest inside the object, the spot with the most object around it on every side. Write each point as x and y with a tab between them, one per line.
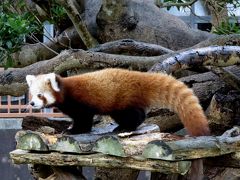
78	23
160	4
212	55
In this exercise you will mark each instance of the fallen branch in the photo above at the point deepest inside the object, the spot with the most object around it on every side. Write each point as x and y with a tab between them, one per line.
212	55
12	82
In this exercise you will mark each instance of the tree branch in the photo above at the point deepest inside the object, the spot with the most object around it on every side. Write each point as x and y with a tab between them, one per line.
78	23
212	55
32	53
38	52
72	59
67	60
160	4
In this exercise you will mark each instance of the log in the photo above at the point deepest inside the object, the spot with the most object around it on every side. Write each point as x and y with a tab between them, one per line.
204	85
220	173
229	160
46	172
98	160
151	145
193	148
230	75
34	141
212	55
223	111
35	123
116	174
83	143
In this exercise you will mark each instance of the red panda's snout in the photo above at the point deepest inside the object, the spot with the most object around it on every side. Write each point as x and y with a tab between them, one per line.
39	101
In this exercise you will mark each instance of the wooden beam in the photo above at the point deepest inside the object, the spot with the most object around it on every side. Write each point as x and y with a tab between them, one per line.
98	160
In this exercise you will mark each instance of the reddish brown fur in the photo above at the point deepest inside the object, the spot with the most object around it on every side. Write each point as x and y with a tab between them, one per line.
116	89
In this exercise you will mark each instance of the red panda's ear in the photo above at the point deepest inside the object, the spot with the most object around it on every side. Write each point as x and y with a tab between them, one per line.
30	79
53	81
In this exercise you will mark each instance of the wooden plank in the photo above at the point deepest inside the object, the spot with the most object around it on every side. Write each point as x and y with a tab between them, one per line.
98	160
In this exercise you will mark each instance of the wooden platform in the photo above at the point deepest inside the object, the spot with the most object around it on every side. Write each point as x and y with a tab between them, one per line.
144	149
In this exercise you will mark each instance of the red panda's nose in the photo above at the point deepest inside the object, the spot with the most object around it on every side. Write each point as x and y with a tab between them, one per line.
32	103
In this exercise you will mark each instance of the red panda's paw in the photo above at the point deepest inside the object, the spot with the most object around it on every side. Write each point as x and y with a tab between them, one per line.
76	130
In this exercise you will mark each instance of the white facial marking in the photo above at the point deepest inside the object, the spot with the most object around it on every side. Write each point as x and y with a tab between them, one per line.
49	97
30	79
52	78
42	93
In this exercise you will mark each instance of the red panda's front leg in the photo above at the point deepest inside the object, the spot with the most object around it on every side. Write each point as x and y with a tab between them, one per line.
81	123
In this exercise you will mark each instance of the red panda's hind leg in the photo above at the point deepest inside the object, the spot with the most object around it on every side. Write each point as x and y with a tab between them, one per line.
128	119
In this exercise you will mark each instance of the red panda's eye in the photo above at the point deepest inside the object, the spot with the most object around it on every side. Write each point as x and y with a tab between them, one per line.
40	95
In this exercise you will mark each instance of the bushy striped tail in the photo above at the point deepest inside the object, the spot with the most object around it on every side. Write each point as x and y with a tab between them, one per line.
178	97
191	113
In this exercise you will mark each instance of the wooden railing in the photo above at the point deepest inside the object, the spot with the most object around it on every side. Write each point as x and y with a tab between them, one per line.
13	107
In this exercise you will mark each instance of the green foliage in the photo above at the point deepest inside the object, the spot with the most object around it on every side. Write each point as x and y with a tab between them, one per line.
14	27
227	28
57	13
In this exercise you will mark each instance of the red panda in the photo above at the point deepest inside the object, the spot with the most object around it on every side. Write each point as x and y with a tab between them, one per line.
124	95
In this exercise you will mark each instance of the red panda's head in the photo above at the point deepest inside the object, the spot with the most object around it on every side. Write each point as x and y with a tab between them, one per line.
43	89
